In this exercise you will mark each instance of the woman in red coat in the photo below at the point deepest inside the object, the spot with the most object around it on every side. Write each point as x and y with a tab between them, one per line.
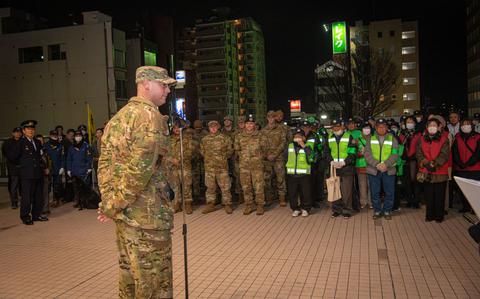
433	153
466	156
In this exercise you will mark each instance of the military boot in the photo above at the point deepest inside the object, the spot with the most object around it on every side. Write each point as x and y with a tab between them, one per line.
248	210
228	209
260	210
188	207
209	208
283	202
177	207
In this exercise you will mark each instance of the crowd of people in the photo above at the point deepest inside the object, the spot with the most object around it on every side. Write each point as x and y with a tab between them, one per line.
380	163
46	172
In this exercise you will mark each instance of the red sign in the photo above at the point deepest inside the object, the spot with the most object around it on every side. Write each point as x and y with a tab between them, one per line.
295	106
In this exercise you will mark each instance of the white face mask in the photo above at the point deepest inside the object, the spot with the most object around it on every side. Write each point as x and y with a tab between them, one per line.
78	139
410	126
432	130
419	119
395	130
467	129
366	131
84	132
338	133
402	126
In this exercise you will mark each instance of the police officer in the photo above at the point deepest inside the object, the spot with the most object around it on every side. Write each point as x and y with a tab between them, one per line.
476	122
421	122
54	149
381	153
29	155
79	166
9	150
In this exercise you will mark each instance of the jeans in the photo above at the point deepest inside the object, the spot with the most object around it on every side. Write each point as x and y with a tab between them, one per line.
376	182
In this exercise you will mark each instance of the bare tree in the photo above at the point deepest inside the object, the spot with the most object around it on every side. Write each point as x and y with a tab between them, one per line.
374	77
365	90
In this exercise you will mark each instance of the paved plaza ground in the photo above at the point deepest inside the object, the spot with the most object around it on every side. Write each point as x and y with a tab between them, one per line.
237	256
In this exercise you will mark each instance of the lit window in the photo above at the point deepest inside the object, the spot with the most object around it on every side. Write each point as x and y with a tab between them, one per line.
409	96
408	50
409	65
409	81
408	34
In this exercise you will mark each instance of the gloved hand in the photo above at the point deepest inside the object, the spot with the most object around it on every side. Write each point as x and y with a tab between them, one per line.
341	164
62	171
430	167
69	173
89	171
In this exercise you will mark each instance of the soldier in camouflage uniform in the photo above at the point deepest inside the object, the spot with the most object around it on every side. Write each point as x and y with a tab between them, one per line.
286	129
216	148
134	189
198	169
237	186
173	163
275	162
251	147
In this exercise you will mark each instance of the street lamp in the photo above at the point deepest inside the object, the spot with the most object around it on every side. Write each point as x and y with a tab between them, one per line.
323	116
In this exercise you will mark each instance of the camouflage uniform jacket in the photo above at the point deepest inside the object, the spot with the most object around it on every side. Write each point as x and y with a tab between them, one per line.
174	150
216	149
276	141
251	148
288	136
230	133
132	186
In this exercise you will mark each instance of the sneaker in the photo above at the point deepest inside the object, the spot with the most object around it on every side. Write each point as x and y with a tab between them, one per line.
304	213
376	216
388	216
296	213
346	215
335	214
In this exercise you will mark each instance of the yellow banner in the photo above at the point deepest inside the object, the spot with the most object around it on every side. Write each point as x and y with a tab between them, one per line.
90	125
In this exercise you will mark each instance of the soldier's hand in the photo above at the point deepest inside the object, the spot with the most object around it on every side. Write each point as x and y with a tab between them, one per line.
102	218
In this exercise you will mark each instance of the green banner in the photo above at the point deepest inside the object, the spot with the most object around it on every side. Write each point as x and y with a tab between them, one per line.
339	37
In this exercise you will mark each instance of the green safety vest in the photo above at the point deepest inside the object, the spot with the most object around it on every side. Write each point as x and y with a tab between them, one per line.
361	162
311	144
340	150
355	133
384	151
400	162
297	163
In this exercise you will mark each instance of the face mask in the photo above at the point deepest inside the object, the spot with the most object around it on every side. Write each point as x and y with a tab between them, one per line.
432	130
84	132
467	129
410	126
395	130
419	119
366	131
78	139
339	132
402	126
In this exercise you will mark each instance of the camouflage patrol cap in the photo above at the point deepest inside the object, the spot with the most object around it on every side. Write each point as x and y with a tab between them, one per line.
228	117
250	118
153	73
213	123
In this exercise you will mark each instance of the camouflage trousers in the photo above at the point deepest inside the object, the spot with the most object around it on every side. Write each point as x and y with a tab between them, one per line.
145	262
187	184
275	183
198	178
253	181
237	187
213	177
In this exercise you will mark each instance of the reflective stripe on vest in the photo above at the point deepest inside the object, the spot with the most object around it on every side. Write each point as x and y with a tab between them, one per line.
340	150
297	163
381	153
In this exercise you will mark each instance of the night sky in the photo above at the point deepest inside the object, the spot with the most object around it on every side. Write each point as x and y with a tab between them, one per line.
295	41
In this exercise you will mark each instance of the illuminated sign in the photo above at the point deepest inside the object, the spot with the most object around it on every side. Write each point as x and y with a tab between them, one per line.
180	77
339	37
180	108
150	58
295	106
